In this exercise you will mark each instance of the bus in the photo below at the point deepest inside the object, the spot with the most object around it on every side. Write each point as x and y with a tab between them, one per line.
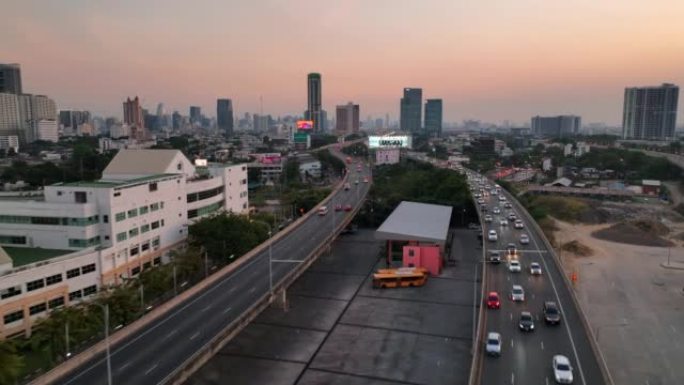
401	277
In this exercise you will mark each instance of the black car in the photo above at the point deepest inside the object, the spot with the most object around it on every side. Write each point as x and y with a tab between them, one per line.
551	313
526	323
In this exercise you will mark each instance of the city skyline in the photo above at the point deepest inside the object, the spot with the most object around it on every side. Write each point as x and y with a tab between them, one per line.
487	62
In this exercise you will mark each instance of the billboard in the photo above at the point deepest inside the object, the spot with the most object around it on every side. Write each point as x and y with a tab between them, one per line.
305	124
394	141
268	158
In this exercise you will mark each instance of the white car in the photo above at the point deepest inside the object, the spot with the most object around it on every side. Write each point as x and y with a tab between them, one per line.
496	210
502	198
488	218
518	224
480	201
524	239
492	236
503	222
535	268
562	370
493	345
514	266
518	294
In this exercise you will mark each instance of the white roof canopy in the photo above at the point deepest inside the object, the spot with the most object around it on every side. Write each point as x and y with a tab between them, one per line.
412	221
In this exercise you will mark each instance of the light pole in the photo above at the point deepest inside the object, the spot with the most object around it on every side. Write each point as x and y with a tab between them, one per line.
270	260
142	297
105	308
175	281
66	339
206	263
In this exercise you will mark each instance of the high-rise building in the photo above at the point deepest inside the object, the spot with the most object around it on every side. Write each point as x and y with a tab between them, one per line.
556	126
314	102
410	110
133	115
176	119
347	121
10	78
224	116
20	114
195	115
433	117
650	112
70	120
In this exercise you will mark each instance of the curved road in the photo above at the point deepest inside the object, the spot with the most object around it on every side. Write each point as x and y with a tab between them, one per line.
526	356
149	356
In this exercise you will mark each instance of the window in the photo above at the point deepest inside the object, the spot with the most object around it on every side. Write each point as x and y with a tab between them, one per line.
88	268
144	228
12	317
59	193
56	302
120	216
46	221
144	210
156	261
53	279
133	232
179	166
154	206
35	285
90	290
162	223
75	295
155	242
192	213
80	197
132	213
12	240
121	237
73	273
153	186
117	194
155	225
135	271
10	292
161	204
105	219
147	265
145	246
134	251
35	309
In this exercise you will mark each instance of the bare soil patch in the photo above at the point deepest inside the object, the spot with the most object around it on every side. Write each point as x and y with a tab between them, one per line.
639	232
578	248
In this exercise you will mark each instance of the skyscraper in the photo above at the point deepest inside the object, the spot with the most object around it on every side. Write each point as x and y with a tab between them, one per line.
347	118
410	110
10	78
650	112
176	120
21	113
133	115
314	102
195	115
556	126
224	116
433	117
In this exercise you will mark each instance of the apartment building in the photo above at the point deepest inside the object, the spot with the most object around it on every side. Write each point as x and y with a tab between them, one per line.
86	235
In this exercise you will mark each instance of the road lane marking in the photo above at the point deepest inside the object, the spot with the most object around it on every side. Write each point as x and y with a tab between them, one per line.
542	344
547	380
151	369
232	290
170	334
673	329
512	378
511	316
206	308
512	344
227	310
124	366
253	289
194	336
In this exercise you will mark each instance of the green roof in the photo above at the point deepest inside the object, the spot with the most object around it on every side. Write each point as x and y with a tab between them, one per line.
113	183
26	255
95	183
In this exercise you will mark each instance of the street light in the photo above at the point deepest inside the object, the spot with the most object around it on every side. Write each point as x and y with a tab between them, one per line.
105	308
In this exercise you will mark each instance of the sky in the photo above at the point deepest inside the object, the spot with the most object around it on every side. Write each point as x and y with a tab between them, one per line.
491	60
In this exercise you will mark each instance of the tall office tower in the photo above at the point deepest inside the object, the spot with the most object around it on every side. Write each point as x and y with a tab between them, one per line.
650	112
314	102
224	116
134	118
20	114
556	126
10	78
176	119
10	119
195	114
69	120
410	110
433	117
347	118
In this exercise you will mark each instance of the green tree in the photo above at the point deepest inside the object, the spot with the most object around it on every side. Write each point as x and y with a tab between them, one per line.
11	363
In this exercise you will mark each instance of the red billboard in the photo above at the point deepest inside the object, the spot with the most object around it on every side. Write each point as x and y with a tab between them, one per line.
305	124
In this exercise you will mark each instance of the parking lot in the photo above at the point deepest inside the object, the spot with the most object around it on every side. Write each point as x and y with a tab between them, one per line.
339	330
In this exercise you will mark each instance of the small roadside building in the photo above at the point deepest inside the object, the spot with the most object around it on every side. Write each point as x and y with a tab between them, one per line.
423	229
650	187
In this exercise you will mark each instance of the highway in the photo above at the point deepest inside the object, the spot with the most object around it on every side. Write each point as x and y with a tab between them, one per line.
526	356
149	356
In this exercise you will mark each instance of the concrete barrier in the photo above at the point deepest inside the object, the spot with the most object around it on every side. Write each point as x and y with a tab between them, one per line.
476	364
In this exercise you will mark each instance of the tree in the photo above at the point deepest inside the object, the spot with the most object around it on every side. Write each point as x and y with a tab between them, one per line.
227	234
11	363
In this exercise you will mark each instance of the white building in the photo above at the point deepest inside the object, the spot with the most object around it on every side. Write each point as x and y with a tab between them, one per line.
47	130
107	144
9	141
86	235
387	156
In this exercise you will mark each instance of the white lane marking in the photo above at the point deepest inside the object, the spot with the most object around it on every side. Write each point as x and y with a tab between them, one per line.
194	336
252	290
512	343
508	277
547	380
567	328
227	310
673	329
206	308
512	378
232	289
151	369
542	344
511	316
170	334
124	366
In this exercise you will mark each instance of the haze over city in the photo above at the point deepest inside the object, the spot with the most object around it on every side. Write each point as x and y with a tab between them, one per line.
492	61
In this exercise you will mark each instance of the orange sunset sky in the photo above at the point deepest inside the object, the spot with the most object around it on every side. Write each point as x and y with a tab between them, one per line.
490	60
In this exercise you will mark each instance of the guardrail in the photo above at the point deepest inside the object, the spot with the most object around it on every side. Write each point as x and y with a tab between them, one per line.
476	363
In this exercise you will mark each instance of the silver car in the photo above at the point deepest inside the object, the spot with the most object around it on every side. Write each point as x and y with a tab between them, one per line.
493	344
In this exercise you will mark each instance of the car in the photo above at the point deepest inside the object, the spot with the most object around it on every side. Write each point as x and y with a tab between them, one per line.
481	201
511	250
488	218
347	186
535	268
473	226
526	321
514	266
503	222
493	344
492	236
524	239
502	198
518	224
507	205
552	315
347	207
517	294
323	210
512	217
365	180
494	257
493	301
356	181
496	210
478	195
338	207
562	370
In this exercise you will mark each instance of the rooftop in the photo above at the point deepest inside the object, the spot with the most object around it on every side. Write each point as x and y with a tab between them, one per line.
413	221
141	162
26	255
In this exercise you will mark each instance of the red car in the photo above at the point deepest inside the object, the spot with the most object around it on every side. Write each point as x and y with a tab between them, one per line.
338	207
347	207
493	301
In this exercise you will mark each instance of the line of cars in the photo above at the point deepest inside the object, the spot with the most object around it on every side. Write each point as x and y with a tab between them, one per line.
550	311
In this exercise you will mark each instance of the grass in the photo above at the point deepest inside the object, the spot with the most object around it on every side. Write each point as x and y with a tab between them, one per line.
564	208
26	255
